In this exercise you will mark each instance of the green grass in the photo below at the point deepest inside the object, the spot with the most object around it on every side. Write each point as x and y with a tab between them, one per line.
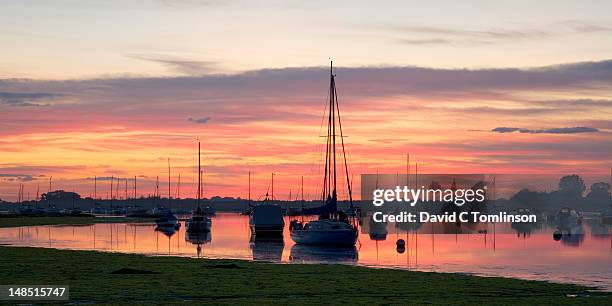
186	280
28	221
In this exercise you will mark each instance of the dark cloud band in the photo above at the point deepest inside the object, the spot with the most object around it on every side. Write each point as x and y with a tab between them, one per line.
564	130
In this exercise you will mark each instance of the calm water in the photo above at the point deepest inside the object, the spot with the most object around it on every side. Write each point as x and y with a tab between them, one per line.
585	258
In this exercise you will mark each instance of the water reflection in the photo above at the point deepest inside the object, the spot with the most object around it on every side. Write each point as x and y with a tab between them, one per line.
582	253
319	254
267	249
198	239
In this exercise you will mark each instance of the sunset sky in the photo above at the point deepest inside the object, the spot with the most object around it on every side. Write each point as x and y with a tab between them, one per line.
114	88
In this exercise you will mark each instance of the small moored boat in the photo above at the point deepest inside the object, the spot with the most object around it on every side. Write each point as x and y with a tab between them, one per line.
199	221
168	221
267	220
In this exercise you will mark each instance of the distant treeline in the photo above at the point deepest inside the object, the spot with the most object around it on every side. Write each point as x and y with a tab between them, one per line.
572	193
61	199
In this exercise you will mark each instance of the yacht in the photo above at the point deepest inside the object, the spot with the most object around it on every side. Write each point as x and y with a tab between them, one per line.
333	227
168	221
266	220
325	232
199	221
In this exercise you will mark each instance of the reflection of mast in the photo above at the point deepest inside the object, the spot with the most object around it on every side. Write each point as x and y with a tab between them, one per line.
416	247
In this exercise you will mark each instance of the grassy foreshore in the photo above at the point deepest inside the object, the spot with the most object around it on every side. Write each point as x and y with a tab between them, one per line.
96	277
68	220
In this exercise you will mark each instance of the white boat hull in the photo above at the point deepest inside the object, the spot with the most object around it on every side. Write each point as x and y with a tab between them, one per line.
345	237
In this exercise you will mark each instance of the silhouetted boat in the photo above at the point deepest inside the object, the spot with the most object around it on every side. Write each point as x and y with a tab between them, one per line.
168	221
267	219
377	230
199	221
333	227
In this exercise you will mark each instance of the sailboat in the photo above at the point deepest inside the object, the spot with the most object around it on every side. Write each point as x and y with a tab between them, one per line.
199	221
333	228
267	219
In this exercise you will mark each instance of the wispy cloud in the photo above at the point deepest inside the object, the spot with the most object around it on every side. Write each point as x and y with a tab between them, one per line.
201	120
16	177
564	130
425	41
182	66
26	99
429	35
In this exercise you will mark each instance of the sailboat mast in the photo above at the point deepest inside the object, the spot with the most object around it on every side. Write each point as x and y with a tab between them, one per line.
178	188
199	176
272	186
169	192
407	169
349	185
249	186
157	186
111	191
416	175
333	119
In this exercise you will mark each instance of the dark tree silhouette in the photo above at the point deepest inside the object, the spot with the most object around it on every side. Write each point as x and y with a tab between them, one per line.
602	187
572	185
599	195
